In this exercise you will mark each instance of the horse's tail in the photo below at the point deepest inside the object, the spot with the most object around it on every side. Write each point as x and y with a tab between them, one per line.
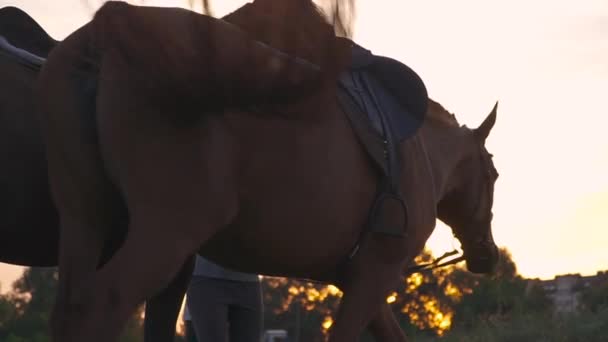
65	98
167	50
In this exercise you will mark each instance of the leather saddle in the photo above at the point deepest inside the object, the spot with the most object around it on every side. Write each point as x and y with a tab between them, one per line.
386	102
23	39
23	57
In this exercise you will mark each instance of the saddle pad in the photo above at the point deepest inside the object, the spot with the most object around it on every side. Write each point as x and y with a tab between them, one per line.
24	57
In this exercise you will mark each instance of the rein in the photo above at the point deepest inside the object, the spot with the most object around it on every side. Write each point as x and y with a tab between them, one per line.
436	263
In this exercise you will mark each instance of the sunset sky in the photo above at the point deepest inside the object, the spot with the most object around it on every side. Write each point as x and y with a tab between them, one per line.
545	61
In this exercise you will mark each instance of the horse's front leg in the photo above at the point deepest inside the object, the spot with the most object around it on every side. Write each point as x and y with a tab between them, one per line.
369	278
162	310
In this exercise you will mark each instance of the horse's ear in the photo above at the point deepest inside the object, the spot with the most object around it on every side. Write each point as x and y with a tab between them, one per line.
484	129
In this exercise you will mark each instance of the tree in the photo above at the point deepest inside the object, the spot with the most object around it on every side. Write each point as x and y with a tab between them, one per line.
30	303
499	296
7	315
26	309
595	297
302	308
422	301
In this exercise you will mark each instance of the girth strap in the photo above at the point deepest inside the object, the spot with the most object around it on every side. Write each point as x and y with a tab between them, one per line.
389	211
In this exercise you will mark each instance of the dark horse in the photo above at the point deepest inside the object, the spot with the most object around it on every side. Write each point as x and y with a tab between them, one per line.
250	161
28	218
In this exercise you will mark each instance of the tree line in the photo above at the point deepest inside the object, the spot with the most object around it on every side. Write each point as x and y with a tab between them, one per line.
443	304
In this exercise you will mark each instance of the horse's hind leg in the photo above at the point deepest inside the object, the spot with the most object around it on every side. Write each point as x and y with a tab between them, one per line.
149	259
179	187
80	190
145	264
369	278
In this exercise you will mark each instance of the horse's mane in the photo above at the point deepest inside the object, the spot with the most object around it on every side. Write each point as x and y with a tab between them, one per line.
438	113
341	13
297	27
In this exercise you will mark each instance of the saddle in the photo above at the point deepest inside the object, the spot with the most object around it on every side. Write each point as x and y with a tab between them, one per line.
23	39
24	32
23	57
385	102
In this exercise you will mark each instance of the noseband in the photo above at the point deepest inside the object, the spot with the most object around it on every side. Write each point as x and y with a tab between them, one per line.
488	175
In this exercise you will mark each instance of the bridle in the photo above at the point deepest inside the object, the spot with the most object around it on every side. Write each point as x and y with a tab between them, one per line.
489	173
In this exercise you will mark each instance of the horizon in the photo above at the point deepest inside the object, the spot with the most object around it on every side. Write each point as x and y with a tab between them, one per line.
545	62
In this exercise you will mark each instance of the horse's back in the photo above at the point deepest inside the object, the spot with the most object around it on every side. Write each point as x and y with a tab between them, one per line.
21	30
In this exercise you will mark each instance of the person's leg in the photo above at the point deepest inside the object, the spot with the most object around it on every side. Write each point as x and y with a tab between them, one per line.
246	313
162	310
189	331
208	309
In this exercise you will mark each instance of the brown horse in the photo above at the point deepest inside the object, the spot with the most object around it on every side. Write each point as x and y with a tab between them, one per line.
207	141
29	223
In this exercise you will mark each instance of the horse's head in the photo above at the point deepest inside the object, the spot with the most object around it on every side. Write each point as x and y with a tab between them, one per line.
467	204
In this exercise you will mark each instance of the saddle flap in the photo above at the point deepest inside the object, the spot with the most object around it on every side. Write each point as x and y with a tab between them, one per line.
384	96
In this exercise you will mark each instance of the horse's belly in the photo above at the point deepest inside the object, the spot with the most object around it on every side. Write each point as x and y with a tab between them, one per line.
304	198
306	246
296	230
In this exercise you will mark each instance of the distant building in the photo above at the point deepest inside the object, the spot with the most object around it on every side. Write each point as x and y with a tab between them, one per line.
277	335
565	290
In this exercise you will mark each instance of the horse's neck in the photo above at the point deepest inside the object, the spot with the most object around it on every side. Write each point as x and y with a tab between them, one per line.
445	146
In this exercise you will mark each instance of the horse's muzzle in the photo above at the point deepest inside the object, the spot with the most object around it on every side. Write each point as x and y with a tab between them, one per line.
481	257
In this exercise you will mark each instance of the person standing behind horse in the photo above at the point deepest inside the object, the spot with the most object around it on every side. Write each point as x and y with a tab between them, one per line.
224	305
188	329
